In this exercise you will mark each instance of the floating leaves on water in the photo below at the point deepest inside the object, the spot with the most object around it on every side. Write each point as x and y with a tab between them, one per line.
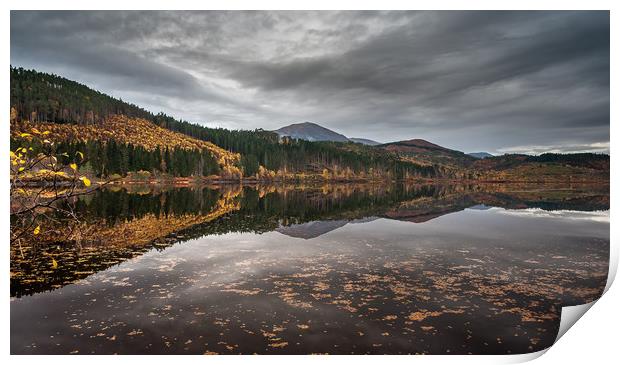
359	298
279	344
422	315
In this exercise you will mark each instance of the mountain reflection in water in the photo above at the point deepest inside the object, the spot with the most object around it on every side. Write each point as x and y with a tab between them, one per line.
333	269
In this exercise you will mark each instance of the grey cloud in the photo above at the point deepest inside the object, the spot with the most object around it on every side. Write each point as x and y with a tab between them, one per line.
100	58
468	80
469	52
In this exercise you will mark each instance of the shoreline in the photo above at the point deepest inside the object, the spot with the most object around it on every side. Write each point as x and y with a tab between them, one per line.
184	181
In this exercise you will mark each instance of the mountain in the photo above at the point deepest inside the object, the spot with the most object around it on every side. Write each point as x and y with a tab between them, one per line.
310	132
314	132
426	153
368	142
480	154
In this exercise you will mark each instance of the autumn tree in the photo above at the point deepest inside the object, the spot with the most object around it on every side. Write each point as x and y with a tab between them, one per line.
38	181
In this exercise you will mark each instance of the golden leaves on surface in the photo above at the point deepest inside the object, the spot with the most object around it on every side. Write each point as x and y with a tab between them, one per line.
85	180
37	230
384	288
422	315
135	332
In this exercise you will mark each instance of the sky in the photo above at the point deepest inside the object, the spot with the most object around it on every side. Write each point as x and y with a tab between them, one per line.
501	82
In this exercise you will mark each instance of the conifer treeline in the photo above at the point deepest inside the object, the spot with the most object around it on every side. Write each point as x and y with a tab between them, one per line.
111	158
265	148
39	96
590	160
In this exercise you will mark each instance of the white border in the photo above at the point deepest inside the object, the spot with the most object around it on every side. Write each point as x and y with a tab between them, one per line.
593	338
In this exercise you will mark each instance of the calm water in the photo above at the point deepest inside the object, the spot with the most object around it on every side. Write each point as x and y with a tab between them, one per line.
291	270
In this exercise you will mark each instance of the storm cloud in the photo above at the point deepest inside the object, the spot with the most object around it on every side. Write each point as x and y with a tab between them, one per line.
469	80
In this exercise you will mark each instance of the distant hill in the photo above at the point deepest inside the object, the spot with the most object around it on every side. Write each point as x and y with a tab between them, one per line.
315	133
311	132
365	141
480	154
427	153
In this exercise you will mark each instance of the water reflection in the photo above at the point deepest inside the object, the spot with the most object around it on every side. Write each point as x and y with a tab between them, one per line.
335	269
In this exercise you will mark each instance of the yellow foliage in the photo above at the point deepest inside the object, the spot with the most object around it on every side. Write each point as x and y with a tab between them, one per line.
122	129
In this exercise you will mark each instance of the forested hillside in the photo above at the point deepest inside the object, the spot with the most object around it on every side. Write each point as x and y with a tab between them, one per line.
119	138
426	153
574	167
286	155
42	99
39	96
122	144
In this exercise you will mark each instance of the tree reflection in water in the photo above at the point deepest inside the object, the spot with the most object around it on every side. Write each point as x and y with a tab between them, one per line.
294	269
